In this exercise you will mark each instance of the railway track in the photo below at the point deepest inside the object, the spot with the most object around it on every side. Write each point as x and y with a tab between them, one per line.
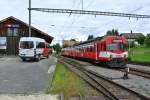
109	89
138	72
133	71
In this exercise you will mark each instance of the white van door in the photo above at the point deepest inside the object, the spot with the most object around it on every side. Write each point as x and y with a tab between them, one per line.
26	49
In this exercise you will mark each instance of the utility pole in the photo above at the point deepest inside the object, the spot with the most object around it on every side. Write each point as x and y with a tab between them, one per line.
82	4
29	18
130	41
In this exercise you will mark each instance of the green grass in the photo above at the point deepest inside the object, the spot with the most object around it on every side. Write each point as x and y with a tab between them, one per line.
69	84
140	54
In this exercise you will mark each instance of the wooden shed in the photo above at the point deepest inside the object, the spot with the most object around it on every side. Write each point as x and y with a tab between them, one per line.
12	29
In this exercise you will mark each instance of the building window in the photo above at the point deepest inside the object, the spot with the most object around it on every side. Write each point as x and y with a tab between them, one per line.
12	31
16	31
9	31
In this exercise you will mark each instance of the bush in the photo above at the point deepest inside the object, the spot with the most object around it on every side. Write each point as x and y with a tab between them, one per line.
132	44
147	40
140	40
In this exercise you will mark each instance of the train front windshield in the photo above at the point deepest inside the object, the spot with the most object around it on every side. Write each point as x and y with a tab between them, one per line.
116	46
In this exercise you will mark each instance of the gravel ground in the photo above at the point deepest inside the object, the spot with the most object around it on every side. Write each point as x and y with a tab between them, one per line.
145	68
29	97
136	83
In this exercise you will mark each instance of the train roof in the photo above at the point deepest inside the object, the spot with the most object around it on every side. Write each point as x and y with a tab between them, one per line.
89	41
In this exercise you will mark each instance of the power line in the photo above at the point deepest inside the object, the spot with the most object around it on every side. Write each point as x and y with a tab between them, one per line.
87	12
74	20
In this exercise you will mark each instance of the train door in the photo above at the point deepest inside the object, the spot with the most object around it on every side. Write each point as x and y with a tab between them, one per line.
96	50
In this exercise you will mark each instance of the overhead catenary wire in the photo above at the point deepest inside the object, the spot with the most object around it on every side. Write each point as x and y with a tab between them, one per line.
88	12
66	21
78	16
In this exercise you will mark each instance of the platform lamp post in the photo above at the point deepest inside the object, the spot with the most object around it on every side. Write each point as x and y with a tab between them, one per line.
29	18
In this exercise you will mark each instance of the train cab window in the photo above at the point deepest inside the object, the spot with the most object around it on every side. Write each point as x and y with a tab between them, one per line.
98	47
91	49
101	47
86	49
104	46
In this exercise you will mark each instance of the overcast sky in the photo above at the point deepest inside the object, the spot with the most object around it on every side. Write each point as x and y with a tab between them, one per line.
63	26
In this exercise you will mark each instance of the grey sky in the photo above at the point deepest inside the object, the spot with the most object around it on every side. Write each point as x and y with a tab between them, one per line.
80	26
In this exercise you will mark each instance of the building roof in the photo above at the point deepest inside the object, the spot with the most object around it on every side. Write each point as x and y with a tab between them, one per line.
131	35
47	37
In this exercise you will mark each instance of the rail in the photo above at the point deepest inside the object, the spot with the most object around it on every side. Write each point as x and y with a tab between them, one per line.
110	91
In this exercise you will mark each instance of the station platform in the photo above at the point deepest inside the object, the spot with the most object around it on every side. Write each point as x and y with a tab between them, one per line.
135	83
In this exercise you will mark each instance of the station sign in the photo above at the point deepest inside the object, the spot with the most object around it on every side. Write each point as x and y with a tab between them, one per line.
12	25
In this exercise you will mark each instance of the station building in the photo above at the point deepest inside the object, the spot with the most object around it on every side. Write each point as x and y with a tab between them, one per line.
12	29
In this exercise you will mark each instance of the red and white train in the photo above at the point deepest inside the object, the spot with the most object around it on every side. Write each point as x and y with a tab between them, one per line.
110	50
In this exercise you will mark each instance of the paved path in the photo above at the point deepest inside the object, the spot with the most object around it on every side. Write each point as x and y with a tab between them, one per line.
23	77
29	97
140	67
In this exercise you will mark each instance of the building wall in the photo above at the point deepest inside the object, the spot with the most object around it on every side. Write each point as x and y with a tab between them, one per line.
12	40
68	42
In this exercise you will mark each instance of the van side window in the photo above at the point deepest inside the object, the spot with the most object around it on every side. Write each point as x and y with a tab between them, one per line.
40	45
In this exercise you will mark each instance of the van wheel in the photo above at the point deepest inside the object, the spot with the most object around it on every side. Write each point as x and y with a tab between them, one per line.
37	58
47	56
23	59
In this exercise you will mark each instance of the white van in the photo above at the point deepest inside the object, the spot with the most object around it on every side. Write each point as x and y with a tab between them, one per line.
31	48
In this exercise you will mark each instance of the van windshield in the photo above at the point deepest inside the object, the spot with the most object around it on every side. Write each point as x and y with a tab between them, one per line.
26	45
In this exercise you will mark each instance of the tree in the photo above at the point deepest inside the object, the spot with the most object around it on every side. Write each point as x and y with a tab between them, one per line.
112	32
132	44
90	37
65	46
57	48
140	40
147	40
108	33
116	32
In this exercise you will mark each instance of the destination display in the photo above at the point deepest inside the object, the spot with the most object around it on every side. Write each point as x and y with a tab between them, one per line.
117	40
